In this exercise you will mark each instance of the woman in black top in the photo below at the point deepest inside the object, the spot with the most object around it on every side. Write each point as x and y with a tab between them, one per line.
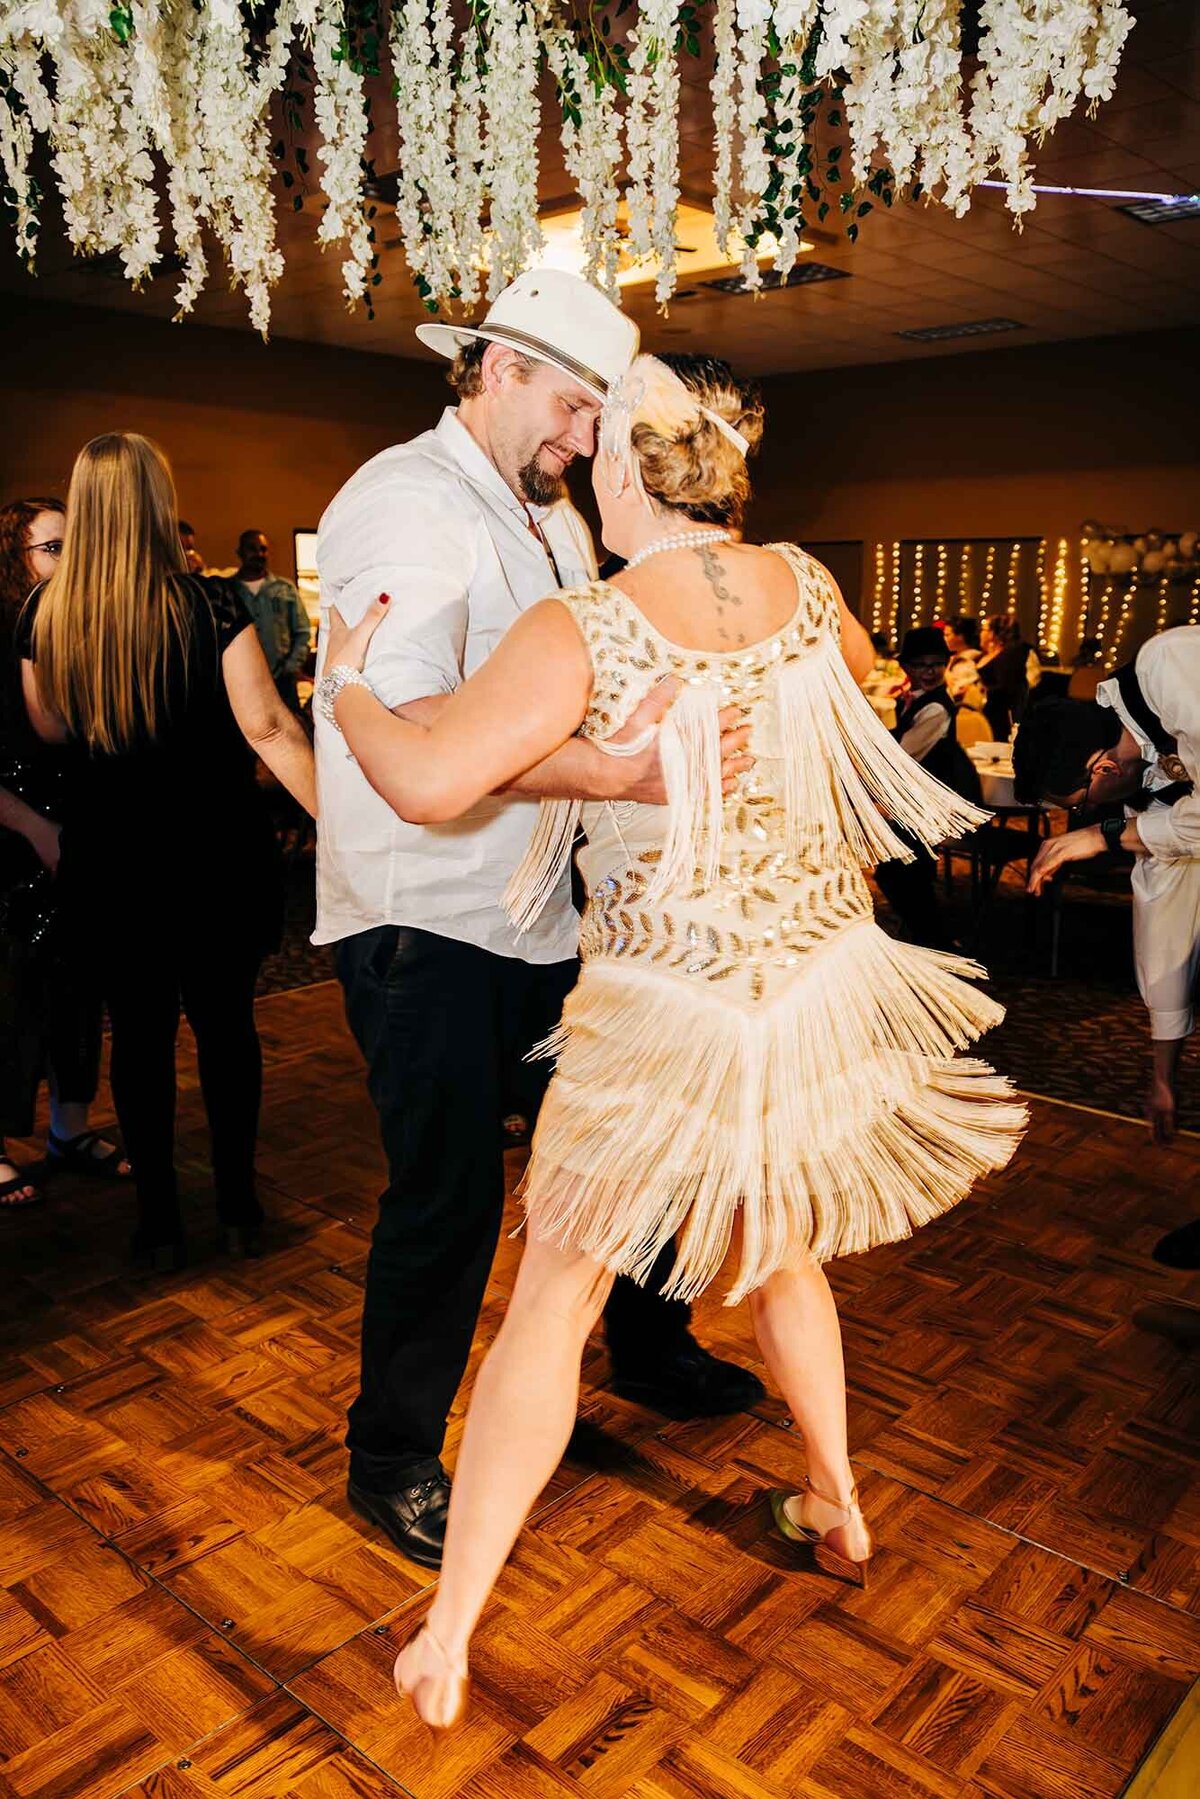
168	870
925	729
1003	672
49	1012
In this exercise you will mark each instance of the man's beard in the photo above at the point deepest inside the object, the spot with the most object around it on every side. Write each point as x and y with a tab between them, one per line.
537	486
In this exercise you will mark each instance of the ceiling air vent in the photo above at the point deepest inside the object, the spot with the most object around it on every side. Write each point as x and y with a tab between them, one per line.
936	334
799	276
1162	212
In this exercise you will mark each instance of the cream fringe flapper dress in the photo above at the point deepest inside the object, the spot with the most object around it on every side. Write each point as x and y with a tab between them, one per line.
743	1036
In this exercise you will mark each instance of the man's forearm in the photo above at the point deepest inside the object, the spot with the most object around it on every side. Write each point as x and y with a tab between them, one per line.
576	771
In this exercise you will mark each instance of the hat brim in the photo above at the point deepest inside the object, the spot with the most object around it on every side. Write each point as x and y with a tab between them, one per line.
448	340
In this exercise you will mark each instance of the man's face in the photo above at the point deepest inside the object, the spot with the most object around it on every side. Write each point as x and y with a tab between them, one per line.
538	427
255	552
1112	775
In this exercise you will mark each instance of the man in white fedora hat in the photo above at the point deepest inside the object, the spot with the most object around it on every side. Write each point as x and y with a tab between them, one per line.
464	528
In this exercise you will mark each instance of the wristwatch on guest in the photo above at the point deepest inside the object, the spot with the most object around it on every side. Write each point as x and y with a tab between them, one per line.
1112	830
331	684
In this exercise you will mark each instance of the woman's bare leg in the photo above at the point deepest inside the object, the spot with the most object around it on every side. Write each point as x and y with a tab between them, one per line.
518	1427
796	1323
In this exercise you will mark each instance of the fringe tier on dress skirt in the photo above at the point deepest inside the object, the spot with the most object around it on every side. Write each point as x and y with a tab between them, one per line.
831	1117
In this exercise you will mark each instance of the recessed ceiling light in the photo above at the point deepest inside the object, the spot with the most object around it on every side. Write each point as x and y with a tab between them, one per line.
798	276
936	334
1161	212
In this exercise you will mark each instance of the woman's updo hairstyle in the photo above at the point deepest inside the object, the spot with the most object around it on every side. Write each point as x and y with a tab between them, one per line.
700	472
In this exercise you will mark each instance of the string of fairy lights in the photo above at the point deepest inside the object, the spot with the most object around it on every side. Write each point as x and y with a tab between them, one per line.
939	579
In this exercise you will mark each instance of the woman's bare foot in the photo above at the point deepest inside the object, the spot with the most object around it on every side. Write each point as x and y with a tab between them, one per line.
433	1678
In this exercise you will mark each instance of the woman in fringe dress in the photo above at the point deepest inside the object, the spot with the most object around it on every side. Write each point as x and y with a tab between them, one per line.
748	1063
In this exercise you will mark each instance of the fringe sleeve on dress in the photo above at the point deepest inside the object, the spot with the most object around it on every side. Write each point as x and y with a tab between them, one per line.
690	748
537	874
843	771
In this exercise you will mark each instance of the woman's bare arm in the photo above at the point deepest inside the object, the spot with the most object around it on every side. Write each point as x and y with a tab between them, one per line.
269	726
528	698
46	723
858	651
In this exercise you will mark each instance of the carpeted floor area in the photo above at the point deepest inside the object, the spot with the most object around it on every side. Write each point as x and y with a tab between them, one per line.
1080	1035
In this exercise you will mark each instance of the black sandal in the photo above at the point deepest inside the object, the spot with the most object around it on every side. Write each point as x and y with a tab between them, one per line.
75	1153
19	1182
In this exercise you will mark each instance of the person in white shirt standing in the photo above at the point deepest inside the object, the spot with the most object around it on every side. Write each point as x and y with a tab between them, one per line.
1138	741
464	528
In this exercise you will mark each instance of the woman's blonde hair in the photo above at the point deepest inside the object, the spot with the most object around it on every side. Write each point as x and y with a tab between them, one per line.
701	473
113	607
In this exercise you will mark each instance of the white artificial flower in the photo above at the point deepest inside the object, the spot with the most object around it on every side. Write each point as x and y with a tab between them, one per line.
652	139
170	96
513	107
591	151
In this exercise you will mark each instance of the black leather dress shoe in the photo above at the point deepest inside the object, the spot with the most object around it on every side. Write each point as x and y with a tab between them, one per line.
1181	1248
414	1518
690	1383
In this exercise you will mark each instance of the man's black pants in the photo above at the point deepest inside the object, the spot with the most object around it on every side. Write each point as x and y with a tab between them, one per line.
444	1026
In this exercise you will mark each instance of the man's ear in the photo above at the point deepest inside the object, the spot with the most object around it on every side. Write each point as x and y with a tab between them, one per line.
497	364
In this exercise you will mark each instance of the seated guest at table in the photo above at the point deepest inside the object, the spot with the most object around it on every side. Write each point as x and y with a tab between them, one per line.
1008	667
925	730
962	640
278	613
1138	741
1087	670
50	1013
169	873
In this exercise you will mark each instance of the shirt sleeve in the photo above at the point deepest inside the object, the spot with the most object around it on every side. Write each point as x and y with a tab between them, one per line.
931	725
391	537
1168	669
301	631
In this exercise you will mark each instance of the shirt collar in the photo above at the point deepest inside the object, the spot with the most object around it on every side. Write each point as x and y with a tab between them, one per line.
454	437
1109	694
457	440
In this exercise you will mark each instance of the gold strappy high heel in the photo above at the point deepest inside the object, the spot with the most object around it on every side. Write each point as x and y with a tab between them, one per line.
414	1671
833	1549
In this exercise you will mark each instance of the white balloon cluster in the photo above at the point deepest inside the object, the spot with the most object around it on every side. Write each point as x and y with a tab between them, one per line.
1110	551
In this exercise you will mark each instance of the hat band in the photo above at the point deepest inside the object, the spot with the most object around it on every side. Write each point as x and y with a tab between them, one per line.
523	340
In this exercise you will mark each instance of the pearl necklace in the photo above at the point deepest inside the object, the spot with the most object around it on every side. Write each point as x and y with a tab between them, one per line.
679	540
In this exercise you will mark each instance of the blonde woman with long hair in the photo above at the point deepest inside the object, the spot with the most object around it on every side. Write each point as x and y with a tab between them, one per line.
168	870
748	1065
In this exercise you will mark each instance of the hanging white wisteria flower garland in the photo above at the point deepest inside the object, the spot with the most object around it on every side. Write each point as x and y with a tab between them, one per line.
154	120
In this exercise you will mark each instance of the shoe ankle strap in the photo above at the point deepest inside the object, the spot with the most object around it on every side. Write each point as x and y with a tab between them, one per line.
848	1506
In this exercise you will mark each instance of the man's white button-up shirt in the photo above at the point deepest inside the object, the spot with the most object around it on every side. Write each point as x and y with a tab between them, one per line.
1166	882
433	524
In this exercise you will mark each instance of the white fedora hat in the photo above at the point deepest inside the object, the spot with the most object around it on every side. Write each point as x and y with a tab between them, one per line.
554	317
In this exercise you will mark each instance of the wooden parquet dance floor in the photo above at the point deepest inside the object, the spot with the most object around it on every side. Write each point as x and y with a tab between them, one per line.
188	1608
